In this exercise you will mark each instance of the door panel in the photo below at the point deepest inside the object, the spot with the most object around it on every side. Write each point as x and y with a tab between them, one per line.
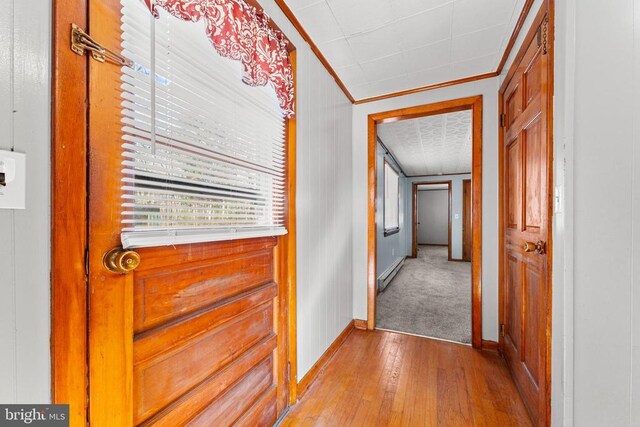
534	166
525	209
194	336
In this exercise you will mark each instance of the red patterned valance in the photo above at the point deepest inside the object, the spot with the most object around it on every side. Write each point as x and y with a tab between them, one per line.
241	32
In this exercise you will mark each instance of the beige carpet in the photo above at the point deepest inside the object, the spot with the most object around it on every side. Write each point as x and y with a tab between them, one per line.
430	296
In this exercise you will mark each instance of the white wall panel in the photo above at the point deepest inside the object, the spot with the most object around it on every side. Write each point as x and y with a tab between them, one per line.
606	282
489	90
324	202
24	234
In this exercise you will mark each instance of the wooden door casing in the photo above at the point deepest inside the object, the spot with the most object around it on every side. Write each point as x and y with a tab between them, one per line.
467	241
526	162
198	332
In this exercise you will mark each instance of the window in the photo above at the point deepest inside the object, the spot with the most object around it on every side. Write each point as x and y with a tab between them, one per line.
391	200
203	153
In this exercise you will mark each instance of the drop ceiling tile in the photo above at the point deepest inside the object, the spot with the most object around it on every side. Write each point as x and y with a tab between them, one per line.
405	8
360	91
319	23
295	5
475	66
425	28
356	16
431	56
430	76
351	75
385	86
375	44
390	66
338	53
474	15
479	43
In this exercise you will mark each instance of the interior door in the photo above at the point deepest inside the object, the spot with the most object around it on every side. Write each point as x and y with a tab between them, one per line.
526	166
466	220
192	335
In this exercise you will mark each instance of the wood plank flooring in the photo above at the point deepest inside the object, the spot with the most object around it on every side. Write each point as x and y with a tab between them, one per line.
384	378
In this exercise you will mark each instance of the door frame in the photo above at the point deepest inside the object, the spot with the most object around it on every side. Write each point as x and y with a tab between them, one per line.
69	225
546	10
473	103
414	216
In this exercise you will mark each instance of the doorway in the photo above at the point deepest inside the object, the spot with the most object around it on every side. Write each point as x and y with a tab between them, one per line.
431	215
474	106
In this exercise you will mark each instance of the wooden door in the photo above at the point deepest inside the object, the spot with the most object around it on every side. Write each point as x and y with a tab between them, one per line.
466	220
526	155
195	335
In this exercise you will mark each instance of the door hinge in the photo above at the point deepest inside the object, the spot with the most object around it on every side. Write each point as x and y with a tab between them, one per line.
503	119
502	329
82	42
288	372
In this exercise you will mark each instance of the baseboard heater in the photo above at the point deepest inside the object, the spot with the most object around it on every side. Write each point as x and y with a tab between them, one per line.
389	274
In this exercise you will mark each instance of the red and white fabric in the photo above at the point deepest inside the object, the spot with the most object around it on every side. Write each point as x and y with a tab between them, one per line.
241	32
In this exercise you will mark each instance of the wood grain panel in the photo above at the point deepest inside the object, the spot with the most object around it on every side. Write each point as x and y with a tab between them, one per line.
262	413
197	399
513	105
532	77
151	343
513	294
239	398
164	294
534	163
514	185
531	340
163	378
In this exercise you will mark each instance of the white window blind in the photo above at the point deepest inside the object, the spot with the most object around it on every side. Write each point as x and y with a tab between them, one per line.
391	198
203	153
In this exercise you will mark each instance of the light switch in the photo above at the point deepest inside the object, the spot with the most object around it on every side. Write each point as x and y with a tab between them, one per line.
456	216
13	174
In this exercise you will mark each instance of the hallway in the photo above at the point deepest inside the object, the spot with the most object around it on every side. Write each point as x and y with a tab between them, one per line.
383	378
430	296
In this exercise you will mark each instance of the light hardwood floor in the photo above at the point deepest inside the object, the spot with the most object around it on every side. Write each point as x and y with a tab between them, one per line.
384	378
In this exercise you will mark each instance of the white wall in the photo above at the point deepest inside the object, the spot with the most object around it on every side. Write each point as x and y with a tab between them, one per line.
323	202
489	89
433	217
24	234
456	209
604	103
389	248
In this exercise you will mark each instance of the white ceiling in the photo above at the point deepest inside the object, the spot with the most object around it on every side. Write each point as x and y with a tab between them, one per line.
430	145
383	46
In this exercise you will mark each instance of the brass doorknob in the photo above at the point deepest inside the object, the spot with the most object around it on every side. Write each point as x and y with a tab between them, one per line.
538	247
122	261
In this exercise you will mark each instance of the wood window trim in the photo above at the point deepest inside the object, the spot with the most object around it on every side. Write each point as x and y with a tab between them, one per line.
414	215
474	104
69	223
547	9
391	230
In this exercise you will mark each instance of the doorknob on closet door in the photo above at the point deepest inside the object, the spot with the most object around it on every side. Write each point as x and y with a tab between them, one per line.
118	260
538	247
